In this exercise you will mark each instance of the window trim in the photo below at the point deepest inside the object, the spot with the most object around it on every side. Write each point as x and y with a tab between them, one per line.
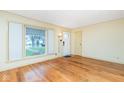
24	42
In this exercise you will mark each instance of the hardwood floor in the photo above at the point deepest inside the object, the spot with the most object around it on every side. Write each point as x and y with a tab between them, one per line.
73	69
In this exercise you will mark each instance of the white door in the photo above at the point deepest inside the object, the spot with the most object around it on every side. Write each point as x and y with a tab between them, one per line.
78	43
66	43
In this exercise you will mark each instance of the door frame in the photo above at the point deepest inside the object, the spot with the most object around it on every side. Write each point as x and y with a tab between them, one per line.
80	43
69	43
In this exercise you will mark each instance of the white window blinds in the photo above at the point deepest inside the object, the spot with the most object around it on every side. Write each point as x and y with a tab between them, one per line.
15	41
51	42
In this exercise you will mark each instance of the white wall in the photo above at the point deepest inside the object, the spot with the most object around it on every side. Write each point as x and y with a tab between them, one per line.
104	41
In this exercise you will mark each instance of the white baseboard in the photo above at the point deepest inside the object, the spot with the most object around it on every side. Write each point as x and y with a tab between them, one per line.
96	58
25	62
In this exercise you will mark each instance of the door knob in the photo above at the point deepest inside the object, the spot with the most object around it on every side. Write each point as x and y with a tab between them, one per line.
63	43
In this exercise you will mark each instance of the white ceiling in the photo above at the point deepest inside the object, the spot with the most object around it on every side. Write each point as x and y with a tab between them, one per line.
71	18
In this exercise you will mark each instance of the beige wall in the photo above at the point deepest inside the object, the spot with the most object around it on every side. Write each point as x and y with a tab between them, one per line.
104	41
6	17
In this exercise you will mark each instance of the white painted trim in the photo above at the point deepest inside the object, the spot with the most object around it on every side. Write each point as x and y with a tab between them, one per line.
24	62
96	58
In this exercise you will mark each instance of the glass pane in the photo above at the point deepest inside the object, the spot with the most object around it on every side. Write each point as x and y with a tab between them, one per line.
35	41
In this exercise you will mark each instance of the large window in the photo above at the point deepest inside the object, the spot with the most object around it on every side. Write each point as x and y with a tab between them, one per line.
32	43
35	41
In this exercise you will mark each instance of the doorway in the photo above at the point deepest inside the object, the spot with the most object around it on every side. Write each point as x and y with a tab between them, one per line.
78	43
66	44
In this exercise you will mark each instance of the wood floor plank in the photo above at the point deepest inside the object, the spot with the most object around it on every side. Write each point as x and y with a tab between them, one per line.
72	69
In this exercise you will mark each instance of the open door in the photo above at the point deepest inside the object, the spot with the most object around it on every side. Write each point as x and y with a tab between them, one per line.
66	43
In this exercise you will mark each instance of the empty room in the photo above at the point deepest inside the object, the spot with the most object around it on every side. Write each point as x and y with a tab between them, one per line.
62	46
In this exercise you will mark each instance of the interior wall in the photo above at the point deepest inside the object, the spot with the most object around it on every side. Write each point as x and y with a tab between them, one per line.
6	17
104	41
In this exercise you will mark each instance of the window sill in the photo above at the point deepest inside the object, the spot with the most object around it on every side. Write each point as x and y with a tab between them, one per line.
30	57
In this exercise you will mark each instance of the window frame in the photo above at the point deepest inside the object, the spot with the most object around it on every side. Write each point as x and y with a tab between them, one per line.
24	57
24	41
